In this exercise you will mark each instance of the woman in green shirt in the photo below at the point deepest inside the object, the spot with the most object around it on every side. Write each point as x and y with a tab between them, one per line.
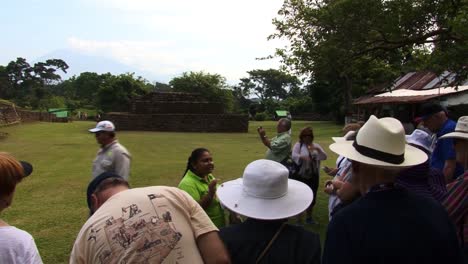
199	183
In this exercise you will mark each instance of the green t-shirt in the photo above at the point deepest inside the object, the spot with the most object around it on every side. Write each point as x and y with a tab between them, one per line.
280	147
197	188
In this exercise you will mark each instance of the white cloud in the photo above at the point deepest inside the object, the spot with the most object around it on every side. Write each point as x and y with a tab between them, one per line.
218	36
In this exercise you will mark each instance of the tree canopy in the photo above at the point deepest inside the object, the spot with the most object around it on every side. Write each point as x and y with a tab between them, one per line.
26	84
350	45
269	84
212	87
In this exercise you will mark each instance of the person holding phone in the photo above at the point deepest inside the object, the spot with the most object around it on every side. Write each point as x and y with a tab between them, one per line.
279	147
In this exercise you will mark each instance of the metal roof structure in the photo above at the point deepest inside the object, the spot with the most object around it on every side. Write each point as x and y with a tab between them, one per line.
281	113
423	80
408	96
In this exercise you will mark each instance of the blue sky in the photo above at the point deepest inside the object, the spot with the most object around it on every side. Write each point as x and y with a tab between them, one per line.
159	39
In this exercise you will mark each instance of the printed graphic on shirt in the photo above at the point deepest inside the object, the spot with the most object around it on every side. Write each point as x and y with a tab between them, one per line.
150	237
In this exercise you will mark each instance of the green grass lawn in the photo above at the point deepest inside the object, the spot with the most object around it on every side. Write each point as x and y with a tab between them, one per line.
51	204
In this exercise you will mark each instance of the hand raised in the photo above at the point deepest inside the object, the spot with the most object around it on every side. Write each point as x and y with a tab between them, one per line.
261	131
212	187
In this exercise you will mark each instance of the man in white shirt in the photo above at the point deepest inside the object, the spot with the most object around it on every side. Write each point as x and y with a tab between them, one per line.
112	156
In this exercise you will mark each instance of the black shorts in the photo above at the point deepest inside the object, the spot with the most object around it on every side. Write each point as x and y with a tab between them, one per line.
313	184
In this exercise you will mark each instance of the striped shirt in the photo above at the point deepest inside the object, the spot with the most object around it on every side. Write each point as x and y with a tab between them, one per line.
456	204
424	181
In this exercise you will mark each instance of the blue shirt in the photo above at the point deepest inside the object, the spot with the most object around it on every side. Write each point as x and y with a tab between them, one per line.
444	149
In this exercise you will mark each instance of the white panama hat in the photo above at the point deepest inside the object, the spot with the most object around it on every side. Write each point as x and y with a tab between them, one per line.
381	142
265	192
103	126
346	137
461	129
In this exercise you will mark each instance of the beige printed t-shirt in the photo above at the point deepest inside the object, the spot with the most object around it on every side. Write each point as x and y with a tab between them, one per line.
143	225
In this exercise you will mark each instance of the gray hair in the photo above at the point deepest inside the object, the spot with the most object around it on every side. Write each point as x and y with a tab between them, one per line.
286	123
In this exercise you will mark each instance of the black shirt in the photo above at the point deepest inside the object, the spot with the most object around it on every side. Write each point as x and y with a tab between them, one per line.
391	226
245	242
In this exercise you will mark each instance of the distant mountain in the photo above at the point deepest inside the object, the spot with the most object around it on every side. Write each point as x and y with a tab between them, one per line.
79	62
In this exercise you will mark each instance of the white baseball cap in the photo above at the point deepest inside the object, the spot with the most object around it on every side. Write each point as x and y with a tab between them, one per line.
103	126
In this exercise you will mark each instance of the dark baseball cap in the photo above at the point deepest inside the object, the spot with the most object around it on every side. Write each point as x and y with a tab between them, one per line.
27	168
428	109
95	183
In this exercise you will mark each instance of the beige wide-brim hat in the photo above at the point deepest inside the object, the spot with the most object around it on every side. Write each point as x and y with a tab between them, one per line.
381	142
461	129
265	192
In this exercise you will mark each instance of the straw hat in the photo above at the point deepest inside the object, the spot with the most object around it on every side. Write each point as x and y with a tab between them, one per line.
265	192
461	129
381	142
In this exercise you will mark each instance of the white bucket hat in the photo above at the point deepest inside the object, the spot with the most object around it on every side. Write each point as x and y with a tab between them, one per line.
346	137
103	126
381	142
461	129
265	192
421	138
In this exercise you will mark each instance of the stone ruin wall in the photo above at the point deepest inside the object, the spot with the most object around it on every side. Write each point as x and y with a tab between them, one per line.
179	122
10	115
178	112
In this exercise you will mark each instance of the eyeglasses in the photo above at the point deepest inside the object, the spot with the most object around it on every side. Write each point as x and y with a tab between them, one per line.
309	135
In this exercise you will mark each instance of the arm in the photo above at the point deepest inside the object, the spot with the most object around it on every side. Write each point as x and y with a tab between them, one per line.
76	256
281	143
449	155
212	248
209	244
296	155
321	155
33	254
457	191
206	200
449	170
330	172
122	165
263	137
345	190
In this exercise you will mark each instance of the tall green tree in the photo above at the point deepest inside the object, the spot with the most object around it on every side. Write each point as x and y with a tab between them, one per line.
116	92
269	84
30	84
162	87
6	87
212	87
349	45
